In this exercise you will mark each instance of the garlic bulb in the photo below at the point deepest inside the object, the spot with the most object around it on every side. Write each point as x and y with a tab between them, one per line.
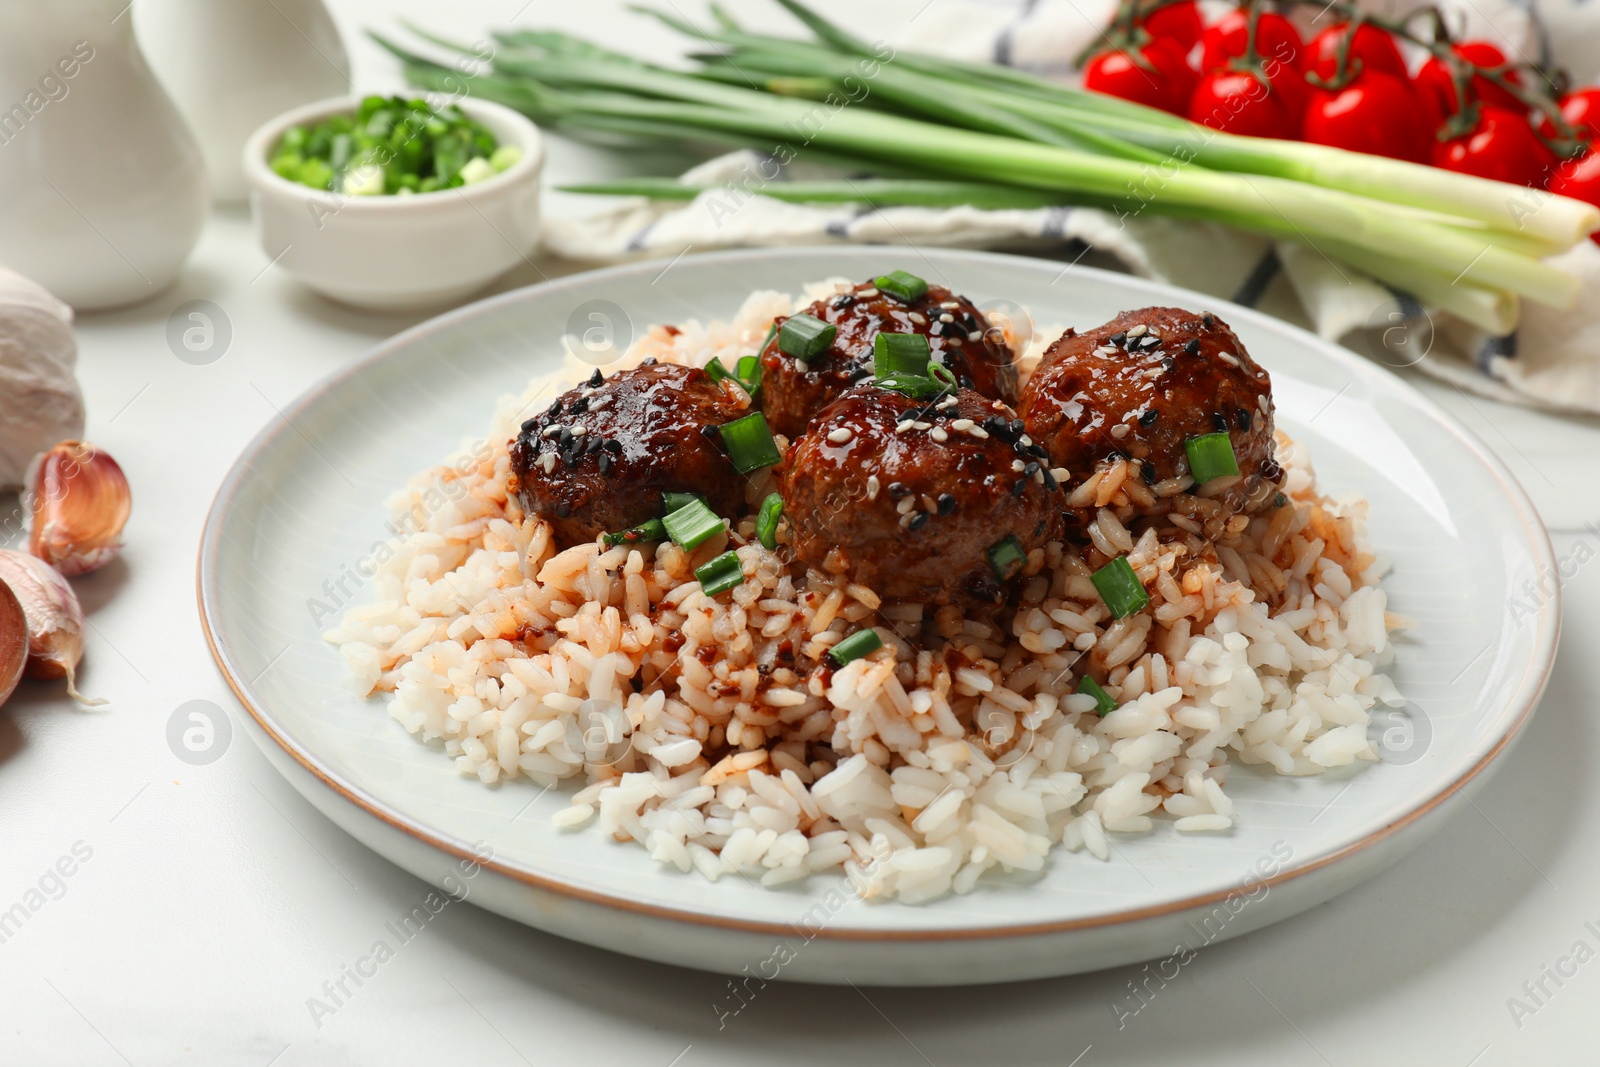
55	619
40	402
80	502
13	641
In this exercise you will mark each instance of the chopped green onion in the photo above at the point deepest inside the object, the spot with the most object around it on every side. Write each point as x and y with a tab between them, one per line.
943	375
693	524
913	385
671	502
715	368
1105	705
805	336
861	643
645	531
1006	557
767	520
720	574
904	287
1120	588
1210	456
908	352
750	443
749	374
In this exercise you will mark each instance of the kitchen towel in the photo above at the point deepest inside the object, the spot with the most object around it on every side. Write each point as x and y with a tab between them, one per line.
1552	360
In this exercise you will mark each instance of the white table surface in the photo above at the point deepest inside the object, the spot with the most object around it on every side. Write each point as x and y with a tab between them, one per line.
215	901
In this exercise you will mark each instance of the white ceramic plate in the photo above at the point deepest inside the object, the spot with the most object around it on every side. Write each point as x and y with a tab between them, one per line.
304	504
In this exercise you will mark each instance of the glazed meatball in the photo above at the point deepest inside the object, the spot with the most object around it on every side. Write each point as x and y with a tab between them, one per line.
600	457
1140	386
793	391
907	497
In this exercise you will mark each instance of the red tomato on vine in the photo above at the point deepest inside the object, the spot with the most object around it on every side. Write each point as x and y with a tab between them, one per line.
1434	77
1239	102
1501	146
1372	47
1276	38
1376	113
1164	81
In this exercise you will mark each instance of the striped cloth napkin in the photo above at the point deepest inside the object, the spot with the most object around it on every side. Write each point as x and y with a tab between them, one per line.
1551	361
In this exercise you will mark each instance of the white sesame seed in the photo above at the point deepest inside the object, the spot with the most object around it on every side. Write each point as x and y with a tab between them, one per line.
1120	430
802	366
961	424
979	432
947	318
1104	350
955	342
548	462
842	435
906	504
953	305
1139	330
917	317
872	487
1025	441
1018	466
580	430
1150	342
939	435
975	335
1038	477
1060	474
550	431
1229	358
928	503
905	518
902	427
867	294
921	425
947	403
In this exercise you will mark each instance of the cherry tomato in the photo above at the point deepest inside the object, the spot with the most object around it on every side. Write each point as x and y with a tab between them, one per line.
1239	102
1167	85
1502	146
1375	49
1376	113
1581	108
1434	77
1179	23
1580	179
1276	38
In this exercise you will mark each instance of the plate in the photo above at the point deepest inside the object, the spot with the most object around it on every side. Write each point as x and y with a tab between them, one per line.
303	506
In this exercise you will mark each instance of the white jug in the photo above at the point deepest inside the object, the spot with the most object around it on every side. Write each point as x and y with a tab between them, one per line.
102	188
231	65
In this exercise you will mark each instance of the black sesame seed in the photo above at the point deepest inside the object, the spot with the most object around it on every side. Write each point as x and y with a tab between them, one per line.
1148	473
1242	417
710	430
579	406
1208	320
563	436
898	489
918	521
996	425
1220	421
1149	418
844	300
1116	455
1019	487
1050	481
553	410
1166	364
529	425
648	361
1192	347
605	462
613	446
1036	450
1017	428
947	503
1118	337
1038	531
596	379
1031	469
562	511
595	445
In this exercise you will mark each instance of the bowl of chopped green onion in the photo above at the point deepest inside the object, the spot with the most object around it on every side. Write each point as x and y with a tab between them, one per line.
391	202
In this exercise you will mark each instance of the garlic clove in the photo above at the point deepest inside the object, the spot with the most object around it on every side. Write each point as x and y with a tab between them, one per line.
80	501
54	619
13	641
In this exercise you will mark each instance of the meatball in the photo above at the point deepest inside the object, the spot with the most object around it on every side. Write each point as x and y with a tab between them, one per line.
794	391
600	457
907	497
1140	386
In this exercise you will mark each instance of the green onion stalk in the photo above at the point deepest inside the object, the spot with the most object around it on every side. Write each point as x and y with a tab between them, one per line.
937	132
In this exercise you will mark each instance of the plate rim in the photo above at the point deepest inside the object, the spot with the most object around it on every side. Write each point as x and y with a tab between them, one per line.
1520	707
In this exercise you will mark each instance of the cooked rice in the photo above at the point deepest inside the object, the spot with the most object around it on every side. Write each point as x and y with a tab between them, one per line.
959	748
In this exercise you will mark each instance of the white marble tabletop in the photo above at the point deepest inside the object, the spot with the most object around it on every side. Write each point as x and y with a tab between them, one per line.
207	904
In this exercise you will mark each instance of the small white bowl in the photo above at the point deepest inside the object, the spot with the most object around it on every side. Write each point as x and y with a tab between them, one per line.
387	252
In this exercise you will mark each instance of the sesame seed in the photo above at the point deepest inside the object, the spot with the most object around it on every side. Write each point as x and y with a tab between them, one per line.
1120	430
842	435
1228	358
1150	342
1208	320
1242	417
529	424
906	505
918	521
579	406
1192	347
917	317
867	293
898	489
710	430
548	462
1030	468
1018	466
1149	418
872	487
563	435
563	510
1038	477
920	425
1025	441
928	503
948	402
551	431
1104	350
605	462
1020	487
1060	474
902	427
579	430
613	445
1148	473
648	361
974	335
962	424
802	366
1139	330
947	318
979	432
1117	338
955	342
953	305
947	503
939	435
1220	421
553	410
596	379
